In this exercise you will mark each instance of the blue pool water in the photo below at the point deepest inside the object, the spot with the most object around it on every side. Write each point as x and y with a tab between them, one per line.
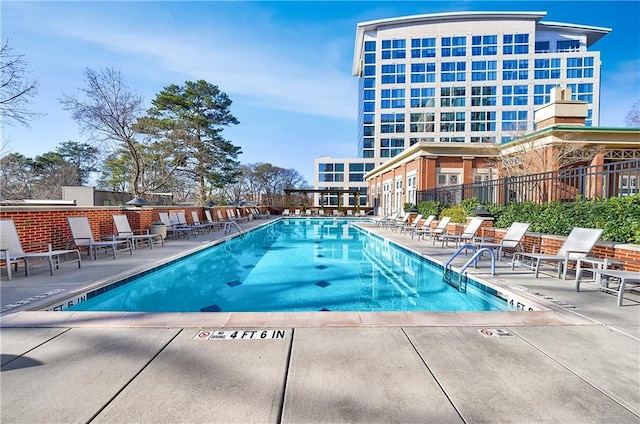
294	265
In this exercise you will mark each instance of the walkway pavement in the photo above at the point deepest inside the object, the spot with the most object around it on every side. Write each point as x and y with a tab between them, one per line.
576	361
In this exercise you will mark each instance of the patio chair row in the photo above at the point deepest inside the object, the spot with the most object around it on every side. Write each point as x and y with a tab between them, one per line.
13	253
575	249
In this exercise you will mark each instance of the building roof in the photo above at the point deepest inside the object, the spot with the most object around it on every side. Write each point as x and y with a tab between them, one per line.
593	33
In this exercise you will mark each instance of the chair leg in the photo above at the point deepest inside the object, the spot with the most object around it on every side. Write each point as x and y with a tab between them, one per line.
621	290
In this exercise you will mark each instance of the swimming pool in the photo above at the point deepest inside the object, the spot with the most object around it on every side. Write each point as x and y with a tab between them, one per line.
294	265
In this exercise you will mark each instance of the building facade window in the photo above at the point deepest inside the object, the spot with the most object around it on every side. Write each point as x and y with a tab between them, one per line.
452	121
423	97
484	95
514	95
453	96
423	72
484	45
423	47
393	74
422	122
484	70
483	121
392	99
394	49
453	71
515	44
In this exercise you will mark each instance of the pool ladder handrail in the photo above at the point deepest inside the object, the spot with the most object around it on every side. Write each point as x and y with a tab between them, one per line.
228	227
474	258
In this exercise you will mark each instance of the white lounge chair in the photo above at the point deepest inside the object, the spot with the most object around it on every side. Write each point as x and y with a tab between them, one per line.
286	212
624	277
414	224
426	224
379	221
577	245
215	225
180	218
124	231
82	237
468	234
173	225
199	226
12	251
512	239
436	231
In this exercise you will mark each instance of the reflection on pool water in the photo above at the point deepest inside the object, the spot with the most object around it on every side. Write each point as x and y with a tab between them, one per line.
294	265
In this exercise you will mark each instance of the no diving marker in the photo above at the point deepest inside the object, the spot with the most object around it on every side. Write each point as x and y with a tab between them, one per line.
239	334
495	332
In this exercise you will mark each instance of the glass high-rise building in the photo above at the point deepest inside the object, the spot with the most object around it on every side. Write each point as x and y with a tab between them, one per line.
461	77
466	77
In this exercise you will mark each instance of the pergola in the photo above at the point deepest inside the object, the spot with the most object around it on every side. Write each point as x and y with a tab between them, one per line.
324	192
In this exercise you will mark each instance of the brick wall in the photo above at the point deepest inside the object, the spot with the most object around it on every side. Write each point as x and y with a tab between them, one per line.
49	225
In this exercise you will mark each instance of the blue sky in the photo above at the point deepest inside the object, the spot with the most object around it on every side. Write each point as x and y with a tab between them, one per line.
285	64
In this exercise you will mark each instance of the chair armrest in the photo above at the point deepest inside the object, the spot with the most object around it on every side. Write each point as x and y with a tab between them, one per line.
141	231
48	245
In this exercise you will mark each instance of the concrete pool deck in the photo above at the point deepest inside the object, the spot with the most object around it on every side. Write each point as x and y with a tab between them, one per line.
577	361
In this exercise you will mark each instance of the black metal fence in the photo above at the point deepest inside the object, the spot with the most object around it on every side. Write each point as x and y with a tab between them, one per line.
598	181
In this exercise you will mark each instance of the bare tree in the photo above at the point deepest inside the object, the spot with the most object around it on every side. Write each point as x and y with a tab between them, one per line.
107	112
633	116
16	89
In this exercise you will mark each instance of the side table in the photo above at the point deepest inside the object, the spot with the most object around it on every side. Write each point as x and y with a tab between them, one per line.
595	263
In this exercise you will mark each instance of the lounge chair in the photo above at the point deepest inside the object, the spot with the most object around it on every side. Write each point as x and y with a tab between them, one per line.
468	234
422	227
307	212
400	217
82	237
124	231
197	224
577	245
379	221
173	225
215	225
412	226
181	220
511	240
12	251
297	212
286	212
624	277
436	231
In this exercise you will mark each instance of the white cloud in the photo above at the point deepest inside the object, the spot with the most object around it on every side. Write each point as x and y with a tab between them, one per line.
275	74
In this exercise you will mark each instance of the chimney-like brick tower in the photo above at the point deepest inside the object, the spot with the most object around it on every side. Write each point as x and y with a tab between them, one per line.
561	110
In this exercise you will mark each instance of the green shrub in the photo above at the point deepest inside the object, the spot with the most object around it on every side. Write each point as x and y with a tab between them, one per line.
619	217
469	205
457	213
429	208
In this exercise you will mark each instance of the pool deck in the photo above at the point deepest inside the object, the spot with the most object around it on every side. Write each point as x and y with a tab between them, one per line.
575	361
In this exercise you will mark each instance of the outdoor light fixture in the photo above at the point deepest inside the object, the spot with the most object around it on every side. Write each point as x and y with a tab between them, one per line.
413	209
137	201
481	211
210	204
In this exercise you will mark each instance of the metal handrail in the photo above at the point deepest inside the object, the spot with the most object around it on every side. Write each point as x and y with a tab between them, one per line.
229	224
457	252
475	256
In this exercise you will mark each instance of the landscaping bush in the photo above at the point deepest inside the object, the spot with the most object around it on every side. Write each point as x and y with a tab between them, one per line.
429	208
619	217
457	213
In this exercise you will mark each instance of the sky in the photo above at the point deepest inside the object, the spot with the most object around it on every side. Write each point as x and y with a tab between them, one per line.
286	65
